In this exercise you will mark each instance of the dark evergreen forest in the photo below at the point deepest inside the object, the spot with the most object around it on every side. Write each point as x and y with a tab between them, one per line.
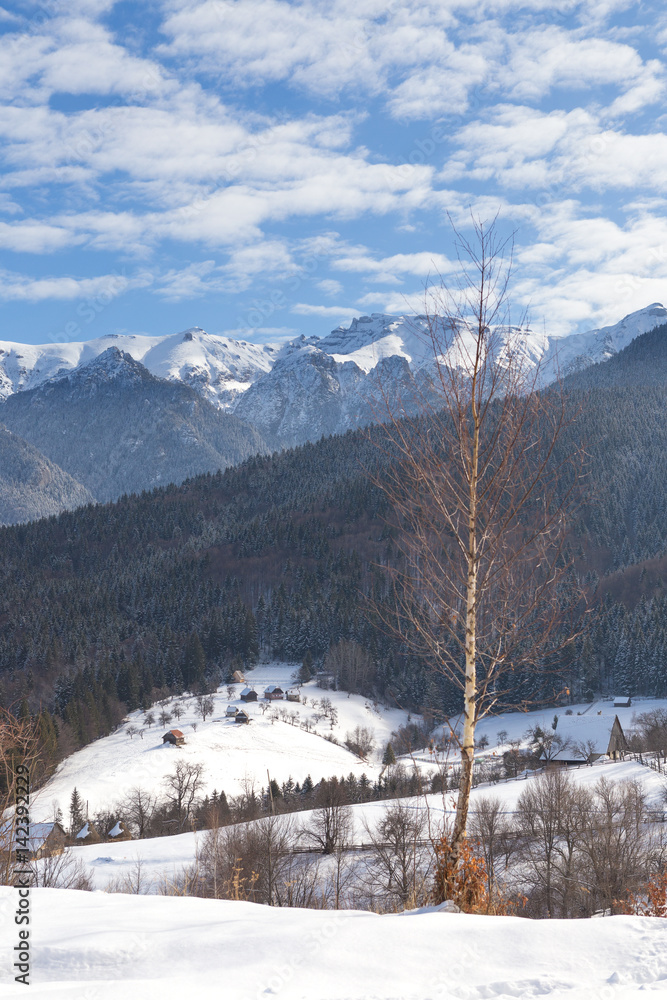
113	606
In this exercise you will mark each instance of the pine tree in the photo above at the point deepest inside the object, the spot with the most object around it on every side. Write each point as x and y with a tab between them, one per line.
389	757
76	816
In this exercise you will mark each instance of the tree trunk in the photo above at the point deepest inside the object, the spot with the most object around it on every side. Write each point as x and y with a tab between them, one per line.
470	687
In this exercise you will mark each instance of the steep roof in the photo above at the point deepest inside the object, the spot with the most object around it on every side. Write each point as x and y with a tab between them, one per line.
587	729
39	833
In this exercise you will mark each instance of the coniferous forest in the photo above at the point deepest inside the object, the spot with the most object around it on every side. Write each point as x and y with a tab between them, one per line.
109	607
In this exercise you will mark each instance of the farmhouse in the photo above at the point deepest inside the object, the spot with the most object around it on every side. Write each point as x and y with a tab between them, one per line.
231	711
584	739
273	693
248	694
293	695
46	840
242	716
175	737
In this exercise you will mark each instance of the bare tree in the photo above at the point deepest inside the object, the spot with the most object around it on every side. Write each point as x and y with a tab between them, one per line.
361	741
398	867
20	755
350	665
165	717
493	832
204	706
331	824
481	496
183	786
139	807
62	871
177	711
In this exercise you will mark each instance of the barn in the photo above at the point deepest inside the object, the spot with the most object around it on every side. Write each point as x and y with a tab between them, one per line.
584	739
248	694
175	737
242	716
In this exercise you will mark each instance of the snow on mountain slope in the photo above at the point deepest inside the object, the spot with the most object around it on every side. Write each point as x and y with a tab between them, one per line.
162	948
217	367
232	754
567	354
221	368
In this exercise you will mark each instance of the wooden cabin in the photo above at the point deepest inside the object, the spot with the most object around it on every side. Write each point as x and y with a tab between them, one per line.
238	677
175	737
46	840
623	701
248	694
231	711
274	693
242	716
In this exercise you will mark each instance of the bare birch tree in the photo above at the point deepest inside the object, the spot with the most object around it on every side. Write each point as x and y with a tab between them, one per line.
480	492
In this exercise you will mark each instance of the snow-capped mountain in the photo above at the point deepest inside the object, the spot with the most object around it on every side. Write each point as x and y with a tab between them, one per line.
217	367
298	391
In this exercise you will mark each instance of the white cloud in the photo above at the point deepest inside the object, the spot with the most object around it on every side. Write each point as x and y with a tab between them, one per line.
330	287
336	312
23	288
390	269
32	236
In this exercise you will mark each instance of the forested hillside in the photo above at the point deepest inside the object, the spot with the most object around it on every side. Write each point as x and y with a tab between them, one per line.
116	428
106	607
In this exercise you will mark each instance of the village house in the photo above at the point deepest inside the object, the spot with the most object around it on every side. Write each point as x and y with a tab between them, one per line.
248	694
238	677
46	840
242	716
584	739
274	693
293	695
175	737
231	711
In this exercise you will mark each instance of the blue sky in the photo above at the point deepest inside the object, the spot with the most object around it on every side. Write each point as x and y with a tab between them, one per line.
263	168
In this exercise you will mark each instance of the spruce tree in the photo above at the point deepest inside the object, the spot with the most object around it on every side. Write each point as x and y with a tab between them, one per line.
76	816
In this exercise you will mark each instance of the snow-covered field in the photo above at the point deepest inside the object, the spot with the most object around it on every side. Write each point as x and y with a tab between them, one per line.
233	755
93	946
162	859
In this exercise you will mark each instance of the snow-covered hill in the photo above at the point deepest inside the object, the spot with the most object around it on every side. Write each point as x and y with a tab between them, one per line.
89	945
163	859
233	755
